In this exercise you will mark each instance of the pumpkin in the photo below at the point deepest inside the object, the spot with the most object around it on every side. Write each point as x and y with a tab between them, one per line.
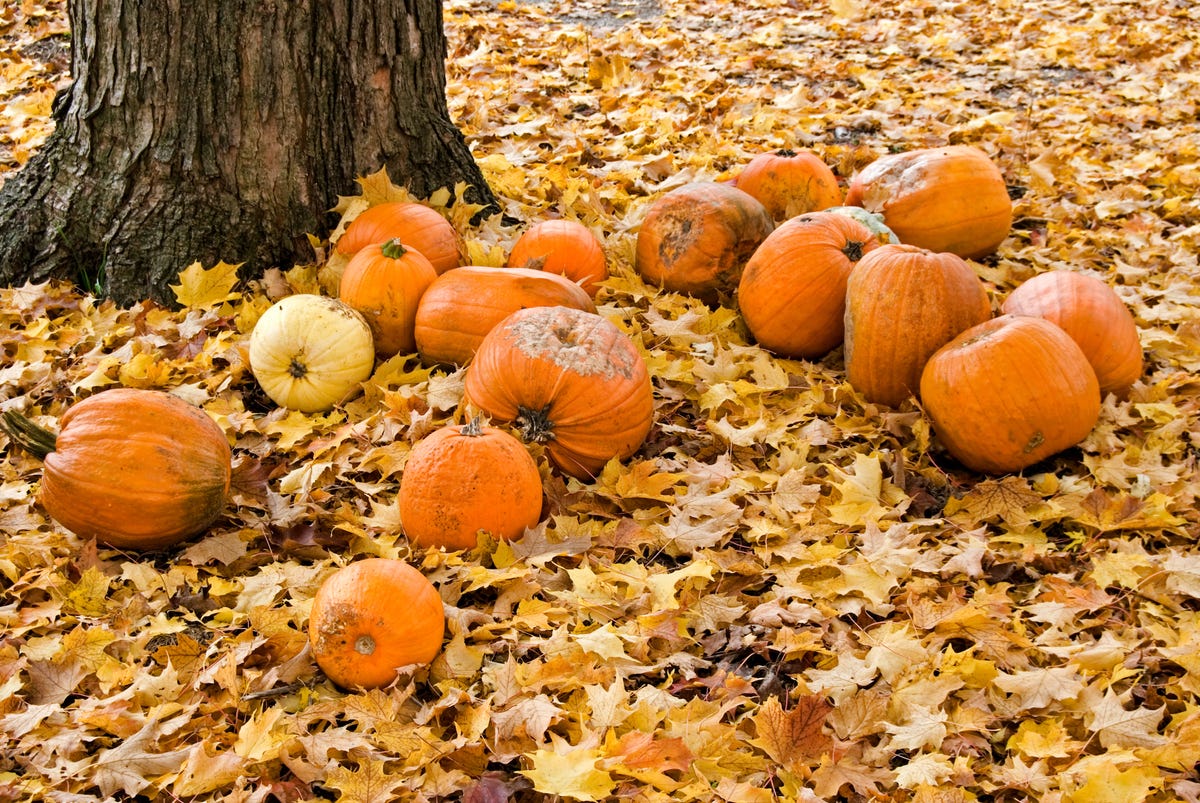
790	183
566	247
566	378
945	199
372	617
902	304
1009	392
872	220
414	224
460	480
1093	315
310	352
696	238
462	306
134	469
384	282
792	293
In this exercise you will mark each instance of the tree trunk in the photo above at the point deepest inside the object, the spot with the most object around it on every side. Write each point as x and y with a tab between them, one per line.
225	130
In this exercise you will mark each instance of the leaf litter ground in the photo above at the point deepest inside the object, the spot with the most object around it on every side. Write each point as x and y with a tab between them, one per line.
788	594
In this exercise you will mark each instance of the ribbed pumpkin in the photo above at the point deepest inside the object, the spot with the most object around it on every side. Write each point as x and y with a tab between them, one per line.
372	617
792	294
696	238
310	352
414	224
945	199
566	378
461	479
134	469
902	304
1093	315
385	282
790	183
463	305
566	247
1009	392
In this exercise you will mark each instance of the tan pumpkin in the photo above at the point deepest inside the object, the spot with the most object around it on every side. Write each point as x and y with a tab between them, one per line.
566	378
902	304
952	198
1010	392
566	247
695	239
463	305
385	282
414	224
460	480
1093	315
790	183
792	293
133	469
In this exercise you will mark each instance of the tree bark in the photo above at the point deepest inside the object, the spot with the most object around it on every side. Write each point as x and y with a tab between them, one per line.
225	130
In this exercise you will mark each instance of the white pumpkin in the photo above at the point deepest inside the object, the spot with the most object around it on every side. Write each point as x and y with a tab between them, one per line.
309	352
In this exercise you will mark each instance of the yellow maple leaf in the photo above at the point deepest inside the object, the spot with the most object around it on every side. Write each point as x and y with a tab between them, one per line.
572	773
1107	784
201	288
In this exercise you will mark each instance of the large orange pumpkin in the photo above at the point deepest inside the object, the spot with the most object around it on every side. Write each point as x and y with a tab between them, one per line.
134	469
385	282
902	304
566	378
414	224
696	238
462	305
372	617
790	183
1009	392
461	479
792	294
566	247
1093	315
945	199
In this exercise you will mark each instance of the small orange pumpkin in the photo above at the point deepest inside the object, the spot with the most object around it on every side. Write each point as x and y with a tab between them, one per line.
566	378
696	238
372	617
1009	392
790	183
902	304
565	247
944	199
1093	315
385	282
792	294
414	224
459	480
462	305
134	469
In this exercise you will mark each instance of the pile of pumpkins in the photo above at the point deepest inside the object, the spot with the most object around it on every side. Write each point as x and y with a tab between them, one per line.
881	271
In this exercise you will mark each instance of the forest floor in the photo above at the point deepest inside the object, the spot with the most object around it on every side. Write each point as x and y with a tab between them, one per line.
788	593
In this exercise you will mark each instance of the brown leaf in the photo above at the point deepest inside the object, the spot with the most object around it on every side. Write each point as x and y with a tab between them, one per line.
795	738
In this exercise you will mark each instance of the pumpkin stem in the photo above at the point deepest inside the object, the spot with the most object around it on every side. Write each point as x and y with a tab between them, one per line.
535	425
394	249
472	428
28	435
853	250
297	369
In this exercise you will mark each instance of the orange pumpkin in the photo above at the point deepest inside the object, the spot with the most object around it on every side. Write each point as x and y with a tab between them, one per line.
566	378
372	617
696	238
1093	315
460	480
566	247
945	199
385	282
462	306
134	469
416	225
902	304
792	294
790	183
1009	392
